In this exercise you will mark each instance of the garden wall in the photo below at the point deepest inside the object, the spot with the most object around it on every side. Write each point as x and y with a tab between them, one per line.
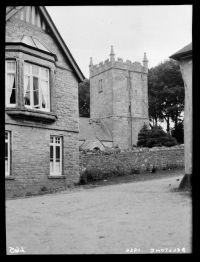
143	159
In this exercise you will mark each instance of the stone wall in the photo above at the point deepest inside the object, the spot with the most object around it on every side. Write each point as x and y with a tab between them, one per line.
143	159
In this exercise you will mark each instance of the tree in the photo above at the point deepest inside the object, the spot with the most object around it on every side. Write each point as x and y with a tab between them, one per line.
84	98
155	136
166	93
178	132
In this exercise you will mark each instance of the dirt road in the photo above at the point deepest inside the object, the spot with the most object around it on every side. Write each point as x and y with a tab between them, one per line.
139	217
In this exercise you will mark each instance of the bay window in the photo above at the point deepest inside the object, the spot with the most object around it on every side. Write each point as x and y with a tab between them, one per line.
55	155
36	87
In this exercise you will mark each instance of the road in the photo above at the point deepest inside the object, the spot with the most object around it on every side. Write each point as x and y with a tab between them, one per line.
129	218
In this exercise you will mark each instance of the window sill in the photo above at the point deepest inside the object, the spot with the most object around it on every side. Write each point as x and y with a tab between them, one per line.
26	113
54	177
9	178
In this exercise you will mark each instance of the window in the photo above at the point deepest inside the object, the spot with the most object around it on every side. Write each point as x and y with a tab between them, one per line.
7	153
10	83
55	155
100	86
36	87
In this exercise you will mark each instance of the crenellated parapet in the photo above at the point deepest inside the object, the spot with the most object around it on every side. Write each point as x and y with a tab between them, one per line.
118	64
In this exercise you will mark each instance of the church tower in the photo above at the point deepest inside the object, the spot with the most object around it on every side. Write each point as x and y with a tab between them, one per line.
119	98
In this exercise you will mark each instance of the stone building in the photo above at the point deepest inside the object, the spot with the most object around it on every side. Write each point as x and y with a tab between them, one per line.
41	107
184	56
93	135
119	98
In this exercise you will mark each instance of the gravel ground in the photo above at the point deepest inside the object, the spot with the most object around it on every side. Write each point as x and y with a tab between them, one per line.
128	218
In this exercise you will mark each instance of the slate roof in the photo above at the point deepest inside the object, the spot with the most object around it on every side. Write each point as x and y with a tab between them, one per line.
183	52
31	41
92	131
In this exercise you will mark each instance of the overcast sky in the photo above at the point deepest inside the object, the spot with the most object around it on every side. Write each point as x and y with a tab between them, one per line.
89	31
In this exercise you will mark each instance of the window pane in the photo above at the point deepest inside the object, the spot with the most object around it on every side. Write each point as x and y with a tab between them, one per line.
57	167
36	86
8	66
6	150
43	72
58	140
11	66
57	153
11	88
35	92
27	68
6	135
13	94
44	93
27	90
51	152
35	70
6	166
55	156
51	160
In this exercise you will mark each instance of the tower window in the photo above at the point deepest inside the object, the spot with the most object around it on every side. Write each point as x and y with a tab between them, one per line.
100	86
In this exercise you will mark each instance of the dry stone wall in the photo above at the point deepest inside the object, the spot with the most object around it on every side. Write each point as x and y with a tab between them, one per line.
142	159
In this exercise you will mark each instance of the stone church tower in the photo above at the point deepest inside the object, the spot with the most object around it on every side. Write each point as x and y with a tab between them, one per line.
119	98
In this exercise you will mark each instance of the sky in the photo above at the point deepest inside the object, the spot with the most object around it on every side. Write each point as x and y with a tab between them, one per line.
89	31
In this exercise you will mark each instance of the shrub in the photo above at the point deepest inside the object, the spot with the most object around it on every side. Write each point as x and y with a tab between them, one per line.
85	177
154	169
135	171
119	171
29	194
43	189
154	137
93	174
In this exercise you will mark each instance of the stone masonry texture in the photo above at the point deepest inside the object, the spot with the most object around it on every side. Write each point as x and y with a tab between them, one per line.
30	138
123	103
143	159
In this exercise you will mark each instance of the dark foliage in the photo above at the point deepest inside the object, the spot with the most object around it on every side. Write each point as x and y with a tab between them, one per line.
84	98
178	133
155	137
166	93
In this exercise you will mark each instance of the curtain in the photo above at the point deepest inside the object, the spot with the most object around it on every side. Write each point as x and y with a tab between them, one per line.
11	89
44	94
27	90
35	92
